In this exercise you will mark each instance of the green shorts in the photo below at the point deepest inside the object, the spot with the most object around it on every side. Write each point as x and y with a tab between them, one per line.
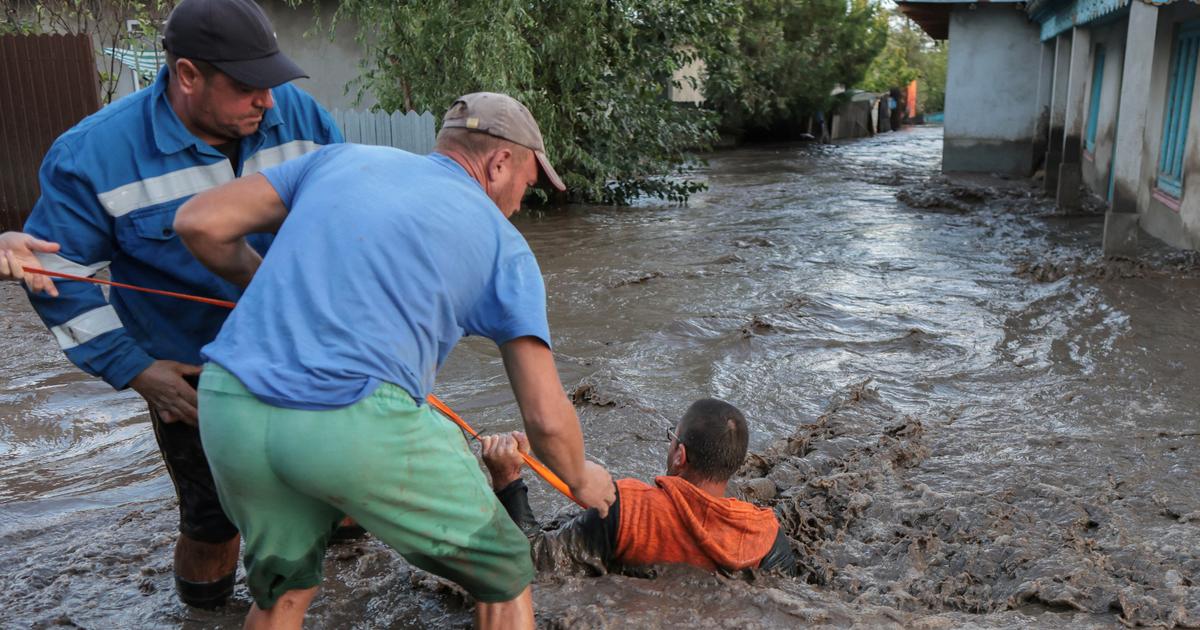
285	477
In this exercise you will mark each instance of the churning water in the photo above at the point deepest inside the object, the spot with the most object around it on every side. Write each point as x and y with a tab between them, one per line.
962	414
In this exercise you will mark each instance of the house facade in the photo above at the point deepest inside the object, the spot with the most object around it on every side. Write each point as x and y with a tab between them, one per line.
1101	94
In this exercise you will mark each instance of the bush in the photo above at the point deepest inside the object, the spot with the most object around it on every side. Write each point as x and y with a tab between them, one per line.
788	57
594	74
910	54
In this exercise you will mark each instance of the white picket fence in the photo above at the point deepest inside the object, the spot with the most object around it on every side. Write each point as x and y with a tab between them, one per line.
410	131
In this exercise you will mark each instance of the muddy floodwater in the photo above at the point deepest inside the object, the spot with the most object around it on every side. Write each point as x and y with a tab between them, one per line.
962	414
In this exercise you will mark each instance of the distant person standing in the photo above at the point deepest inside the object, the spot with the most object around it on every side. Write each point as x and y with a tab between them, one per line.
221	109
822	128
895	109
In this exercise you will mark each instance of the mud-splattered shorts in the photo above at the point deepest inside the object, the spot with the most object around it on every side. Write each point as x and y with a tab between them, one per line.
286	476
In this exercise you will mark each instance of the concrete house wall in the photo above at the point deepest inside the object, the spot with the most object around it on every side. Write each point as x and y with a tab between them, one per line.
1022	80
330	64
1041	134
1176	222
991	99
1059	70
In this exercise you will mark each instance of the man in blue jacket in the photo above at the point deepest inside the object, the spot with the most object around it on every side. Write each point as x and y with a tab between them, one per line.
221	109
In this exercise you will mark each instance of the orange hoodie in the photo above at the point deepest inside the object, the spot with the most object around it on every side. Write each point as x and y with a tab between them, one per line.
676	522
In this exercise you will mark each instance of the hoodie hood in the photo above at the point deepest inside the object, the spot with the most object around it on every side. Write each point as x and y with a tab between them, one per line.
673	521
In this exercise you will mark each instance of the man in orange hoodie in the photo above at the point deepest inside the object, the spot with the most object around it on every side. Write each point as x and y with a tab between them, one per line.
684	518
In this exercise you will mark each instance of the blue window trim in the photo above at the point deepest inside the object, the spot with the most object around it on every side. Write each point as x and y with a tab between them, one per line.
1181	85
1094	105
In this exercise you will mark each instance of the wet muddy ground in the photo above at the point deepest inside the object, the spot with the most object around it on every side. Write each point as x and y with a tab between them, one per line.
962	414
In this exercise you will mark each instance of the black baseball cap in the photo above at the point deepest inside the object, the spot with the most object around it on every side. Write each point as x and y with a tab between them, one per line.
235	36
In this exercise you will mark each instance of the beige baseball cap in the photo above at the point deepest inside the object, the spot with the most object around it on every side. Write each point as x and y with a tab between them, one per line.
504	117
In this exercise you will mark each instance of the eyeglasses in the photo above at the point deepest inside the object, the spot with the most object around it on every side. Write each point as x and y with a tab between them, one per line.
672	436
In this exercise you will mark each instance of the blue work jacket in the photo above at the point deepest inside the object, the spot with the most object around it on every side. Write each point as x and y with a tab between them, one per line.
110	187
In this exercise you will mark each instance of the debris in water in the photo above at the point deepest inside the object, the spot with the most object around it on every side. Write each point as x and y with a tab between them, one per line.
727	259
754	241
960	194
931	200
1170	265
757	326
587	394
861	525
638	279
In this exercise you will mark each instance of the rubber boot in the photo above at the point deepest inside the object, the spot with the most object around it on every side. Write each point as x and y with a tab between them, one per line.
205	595
202	563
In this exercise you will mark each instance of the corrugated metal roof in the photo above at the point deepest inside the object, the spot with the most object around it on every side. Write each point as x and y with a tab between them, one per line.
1057	16
1053	16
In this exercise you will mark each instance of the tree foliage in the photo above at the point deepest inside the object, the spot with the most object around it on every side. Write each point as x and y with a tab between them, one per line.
594	74
931	90
107	21
788	57
910	55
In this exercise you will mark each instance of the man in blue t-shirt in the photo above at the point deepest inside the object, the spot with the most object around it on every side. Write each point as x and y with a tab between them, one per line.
312	403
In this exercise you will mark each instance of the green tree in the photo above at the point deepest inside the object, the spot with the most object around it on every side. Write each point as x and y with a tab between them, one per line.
910	55
107	22
594	74
931	90
788	57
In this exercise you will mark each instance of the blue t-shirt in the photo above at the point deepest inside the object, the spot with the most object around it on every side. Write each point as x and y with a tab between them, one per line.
385	260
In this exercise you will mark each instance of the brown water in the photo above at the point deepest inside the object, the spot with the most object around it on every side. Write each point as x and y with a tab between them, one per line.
963	416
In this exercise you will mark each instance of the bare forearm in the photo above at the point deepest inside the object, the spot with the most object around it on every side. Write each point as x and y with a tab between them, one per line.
549	418
234	261
556	439
214	225
551	423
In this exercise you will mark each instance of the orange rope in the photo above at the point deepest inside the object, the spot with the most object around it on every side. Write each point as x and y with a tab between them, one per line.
182	296
537	466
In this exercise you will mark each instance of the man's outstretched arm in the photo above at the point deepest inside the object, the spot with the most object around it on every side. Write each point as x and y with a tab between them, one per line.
587	541
502	456
550	420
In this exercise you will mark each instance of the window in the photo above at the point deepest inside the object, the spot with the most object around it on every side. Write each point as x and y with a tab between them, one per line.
1094	105
1181	81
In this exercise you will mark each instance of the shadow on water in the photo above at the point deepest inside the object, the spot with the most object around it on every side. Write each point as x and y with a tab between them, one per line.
964	417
